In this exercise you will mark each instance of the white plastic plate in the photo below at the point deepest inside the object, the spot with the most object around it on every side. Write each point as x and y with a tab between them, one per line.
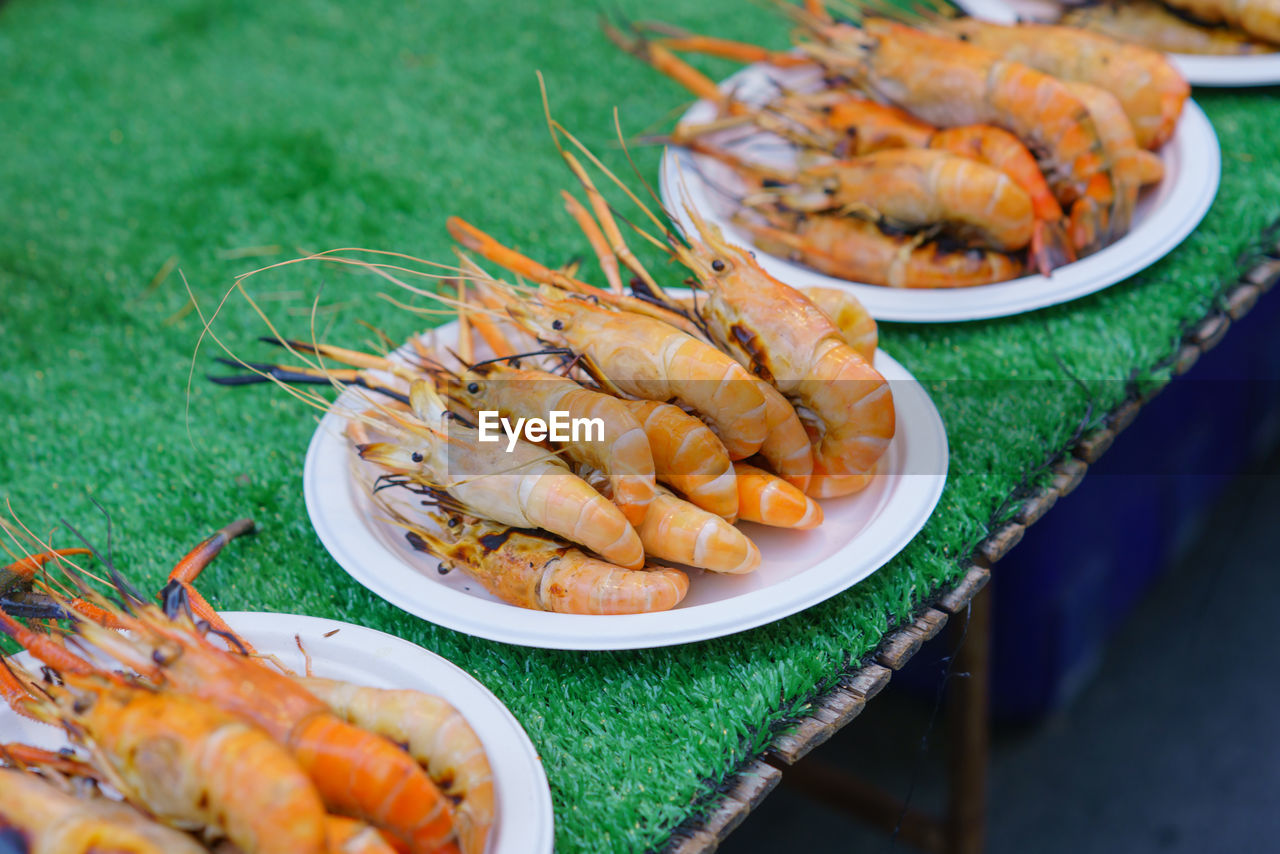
1258	70
800	568
1164	216
338	650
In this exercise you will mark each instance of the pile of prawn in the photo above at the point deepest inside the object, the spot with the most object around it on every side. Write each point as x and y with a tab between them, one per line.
943	152
1205	27
739	399
184	739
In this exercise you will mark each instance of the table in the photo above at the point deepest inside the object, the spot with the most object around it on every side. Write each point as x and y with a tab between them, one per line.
964	610
213	138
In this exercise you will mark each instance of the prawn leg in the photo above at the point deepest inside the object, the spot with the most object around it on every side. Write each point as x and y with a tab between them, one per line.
186	571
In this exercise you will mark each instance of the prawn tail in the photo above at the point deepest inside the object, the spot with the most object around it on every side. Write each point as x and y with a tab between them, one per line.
1050	246
1121	215
1087	227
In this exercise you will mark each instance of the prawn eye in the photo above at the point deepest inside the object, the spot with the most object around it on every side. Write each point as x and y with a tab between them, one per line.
557	324
473	388
718	265
166	654
416	456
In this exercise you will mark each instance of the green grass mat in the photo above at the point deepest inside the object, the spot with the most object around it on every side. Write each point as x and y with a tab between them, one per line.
136	133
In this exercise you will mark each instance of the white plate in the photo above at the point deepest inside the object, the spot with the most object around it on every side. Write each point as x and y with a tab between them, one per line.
525	821
1164	216
1260	70
800	568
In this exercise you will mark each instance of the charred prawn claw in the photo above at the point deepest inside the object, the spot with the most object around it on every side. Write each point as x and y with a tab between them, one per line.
17	576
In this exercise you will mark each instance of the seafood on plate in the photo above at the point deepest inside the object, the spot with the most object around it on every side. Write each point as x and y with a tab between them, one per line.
732	402
1158	26
954	138
48	818
189	725
1259	19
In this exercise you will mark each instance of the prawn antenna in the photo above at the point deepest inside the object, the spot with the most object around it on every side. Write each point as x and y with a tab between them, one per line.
388	481
204	627
34	607
117	580
106	516
265	372
549	351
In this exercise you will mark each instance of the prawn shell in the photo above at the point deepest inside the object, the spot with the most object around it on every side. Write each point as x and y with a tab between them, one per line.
191	763
920	187
649	359
54	822
688	456
1150	89
537	572
434	734
678	531
858	251
622	453
525	488
765	498
856	325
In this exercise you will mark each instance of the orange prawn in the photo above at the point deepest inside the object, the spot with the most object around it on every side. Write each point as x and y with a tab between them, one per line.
679	531
537	572
434	734
185	761
47	820
859	251
356	773
1132	166
430	729
951	83
1150	89
525	487
687	456
903	188
1149	23
621	452
649	359
769	500
782	443
844	123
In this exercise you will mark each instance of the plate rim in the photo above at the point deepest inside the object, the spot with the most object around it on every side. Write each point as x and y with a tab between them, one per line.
919	493
1195	146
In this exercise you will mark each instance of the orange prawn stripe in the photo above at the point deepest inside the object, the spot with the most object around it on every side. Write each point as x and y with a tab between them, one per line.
364	777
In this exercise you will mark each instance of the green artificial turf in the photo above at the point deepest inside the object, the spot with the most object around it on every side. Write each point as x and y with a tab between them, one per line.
136	133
